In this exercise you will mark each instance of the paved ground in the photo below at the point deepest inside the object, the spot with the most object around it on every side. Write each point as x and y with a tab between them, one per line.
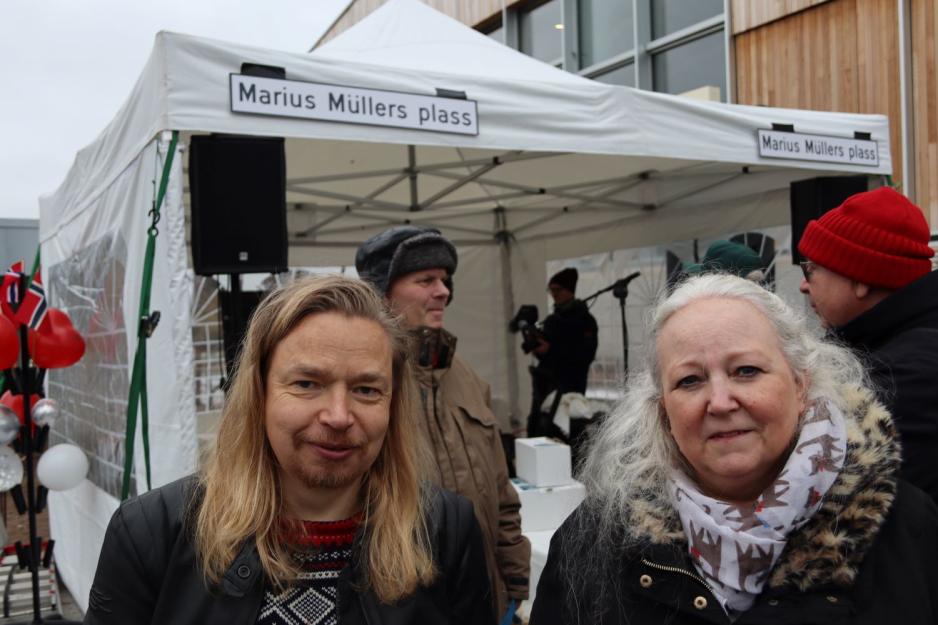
68	606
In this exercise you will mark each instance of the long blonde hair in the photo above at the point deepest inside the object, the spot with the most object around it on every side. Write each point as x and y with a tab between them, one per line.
241	497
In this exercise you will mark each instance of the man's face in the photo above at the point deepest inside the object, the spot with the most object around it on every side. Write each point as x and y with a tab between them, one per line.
420	297
833	296
328	401
560	294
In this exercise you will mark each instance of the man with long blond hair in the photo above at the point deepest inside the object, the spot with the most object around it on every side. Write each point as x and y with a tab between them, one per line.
313	507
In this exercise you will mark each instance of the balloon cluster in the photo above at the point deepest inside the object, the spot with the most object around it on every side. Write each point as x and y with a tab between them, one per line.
52	343
61	467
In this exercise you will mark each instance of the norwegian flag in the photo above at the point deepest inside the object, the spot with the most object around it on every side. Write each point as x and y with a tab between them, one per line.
33	308
11	289
28	308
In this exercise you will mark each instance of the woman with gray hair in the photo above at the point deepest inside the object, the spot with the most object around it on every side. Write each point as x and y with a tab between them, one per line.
748	476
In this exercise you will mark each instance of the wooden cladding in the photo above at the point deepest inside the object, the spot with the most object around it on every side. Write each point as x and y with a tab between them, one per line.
842	55
469	12
749	14
923	23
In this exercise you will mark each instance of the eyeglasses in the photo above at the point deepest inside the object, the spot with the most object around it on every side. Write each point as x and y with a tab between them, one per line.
807	268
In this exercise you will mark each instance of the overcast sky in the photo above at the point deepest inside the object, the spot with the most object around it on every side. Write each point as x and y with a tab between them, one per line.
66	66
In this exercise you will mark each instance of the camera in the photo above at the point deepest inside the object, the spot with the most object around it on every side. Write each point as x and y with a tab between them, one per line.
525	321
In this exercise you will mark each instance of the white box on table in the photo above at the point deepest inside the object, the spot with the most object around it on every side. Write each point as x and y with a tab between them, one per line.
546	507
542	461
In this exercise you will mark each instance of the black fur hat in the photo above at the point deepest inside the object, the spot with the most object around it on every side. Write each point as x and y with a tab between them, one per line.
401	250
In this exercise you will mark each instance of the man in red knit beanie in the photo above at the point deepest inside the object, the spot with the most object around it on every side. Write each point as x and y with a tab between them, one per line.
869	279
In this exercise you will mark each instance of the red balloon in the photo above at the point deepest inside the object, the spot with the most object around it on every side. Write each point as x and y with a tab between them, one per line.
9	344
16	403
57	344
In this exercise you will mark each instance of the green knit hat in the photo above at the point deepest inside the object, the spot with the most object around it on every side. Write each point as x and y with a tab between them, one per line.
727	257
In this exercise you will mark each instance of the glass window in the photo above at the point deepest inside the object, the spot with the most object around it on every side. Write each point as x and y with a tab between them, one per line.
542	31
668	16
498	34
694	64
624	75
606	29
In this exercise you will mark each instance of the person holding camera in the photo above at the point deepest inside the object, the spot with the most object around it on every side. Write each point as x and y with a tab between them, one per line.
412	267
566	347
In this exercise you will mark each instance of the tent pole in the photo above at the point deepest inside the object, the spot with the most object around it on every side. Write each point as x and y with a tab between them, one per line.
503	236
412	174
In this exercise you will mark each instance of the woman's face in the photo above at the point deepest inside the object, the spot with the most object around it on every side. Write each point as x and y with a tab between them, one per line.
731	399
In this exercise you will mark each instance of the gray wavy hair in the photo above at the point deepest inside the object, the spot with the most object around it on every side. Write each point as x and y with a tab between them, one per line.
631	454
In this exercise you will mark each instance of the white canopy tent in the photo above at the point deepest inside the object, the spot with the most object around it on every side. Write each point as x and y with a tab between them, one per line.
560	166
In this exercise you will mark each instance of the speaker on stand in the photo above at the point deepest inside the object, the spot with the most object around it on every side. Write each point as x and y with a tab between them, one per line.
237	187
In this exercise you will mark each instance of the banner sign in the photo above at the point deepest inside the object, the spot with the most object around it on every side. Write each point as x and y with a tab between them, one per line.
352	105
804	147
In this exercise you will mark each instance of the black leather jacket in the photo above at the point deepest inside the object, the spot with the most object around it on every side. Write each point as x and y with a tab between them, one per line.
148	572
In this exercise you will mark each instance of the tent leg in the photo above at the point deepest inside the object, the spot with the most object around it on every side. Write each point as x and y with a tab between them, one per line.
412	174
508	297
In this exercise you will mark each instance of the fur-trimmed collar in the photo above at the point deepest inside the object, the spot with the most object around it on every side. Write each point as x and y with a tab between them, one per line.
829	549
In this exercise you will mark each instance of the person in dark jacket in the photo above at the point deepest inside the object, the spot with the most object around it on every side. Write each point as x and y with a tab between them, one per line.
566	347
748	476
313	508
869	279
412	267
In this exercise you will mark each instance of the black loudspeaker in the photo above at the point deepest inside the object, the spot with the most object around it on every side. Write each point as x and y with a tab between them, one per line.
238	191
813	197
236	310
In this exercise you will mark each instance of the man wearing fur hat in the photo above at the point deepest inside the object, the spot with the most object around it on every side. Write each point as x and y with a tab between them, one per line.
869	279
413	267
566	349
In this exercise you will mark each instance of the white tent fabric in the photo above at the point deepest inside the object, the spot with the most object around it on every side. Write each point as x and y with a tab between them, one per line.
93	271
561	166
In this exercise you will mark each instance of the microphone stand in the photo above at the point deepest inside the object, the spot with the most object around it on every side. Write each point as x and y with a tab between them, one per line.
620	290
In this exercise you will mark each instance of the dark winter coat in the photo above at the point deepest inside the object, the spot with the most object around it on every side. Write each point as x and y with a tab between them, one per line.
148	572
571	332
898	338
867	556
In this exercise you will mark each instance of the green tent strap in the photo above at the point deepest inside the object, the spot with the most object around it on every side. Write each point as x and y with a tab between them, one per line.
146	325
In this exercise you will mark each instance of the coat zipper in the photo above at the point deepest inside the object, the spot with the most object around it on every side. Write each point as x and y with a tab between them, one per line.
674	569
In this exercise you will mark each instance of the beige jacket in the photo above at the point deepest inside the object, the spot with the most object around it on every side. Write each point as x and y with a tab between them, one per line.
466	445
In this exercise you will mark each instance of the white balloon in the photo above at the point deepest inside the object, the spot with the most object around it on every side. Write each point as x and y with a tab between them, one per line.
62	467
9	425
11	469
44	412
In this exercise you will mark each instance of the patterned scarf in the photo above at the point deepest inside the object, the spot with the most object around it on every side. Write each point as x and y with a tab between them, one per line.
735	547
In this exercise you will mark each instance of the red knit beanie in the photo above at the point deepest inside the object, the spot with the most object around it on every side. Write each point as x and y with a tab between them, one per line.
878	238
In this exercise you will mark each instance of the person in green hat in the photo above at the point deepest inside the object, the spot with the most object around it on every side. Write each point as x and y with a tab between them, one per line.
728	257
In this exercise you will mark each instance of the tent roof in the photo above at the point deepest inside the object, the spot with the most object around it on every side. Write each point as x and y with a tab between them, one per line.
550	143
408	34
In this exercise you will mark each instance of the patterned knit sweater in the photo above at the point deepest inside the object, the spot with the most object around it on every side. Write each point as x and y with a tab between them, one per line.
322	550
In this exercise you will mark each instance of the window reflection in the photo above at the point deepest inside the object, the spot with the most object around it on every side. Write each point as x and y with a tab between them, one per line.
668	16
539	34
605	29
691	65
623	76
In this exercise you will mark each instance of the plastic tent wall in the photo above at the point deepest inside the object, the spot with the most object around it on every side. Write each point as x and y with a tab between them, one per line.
562	166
